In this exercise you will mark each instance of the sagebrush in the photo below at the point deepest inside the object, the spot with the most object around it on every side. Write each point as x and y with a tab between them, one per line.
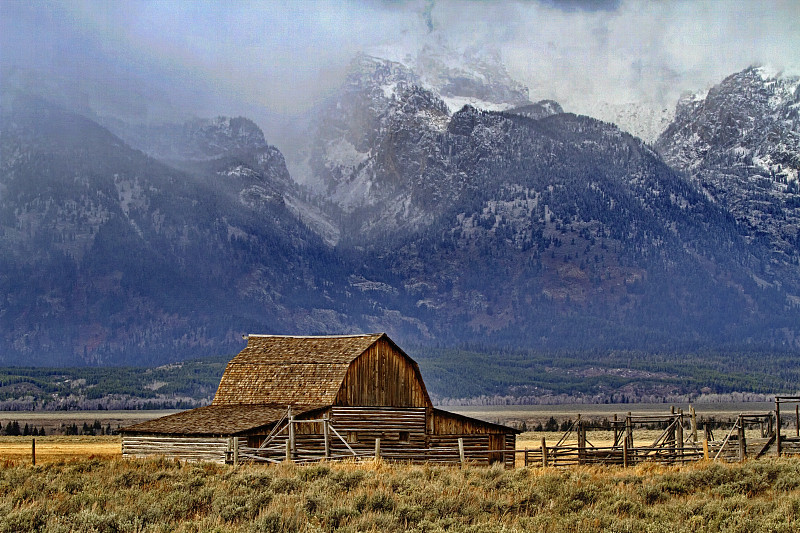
163	495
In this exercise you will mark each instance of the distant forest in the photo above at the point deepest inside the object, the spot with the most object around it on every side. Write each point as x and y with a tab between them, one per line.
471	375
180	385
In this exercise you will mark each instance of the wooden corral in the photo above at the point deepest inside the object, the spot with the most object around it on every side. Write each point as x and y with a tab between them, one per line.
788	442
751	436
313	398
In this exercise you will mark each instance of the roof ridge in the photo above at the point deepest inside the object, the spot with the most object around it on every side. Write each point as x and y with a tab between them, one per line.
258	335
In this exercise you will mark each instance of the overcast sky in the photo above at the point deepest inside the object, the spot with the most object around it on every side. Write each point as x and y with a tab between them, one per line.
211	58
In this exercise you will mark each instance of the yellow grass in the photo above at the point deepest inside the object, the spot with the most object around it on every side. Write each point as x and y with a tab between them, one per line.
159	495
57	448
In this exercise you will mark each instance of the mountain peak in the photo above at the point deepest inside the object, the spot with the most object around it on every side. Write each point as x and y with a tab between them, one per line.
741	142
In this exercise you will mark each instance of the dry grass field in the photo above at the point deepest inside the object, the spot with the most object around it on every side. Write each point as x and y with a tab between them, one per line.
58	448
115	495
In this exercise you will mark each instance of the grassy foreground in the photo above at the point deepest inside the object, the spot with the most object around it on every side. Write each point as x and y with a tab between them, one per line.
160	495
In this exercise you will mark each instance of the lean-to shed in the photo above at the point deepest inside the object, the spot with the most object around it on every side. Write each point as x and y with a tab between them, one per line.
316	397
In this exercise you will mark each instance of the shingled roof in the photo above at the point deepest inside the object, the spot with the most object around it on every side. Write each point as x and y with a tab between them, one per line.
271	373
216	420
287	370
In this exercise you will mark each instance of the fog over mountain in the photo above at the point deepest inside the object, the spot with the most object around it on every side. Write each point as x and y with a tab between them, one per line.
167	60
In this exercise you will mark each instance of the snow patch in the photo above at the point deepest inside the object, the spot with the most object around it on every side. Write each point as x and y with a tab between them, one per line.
342	153
455	103
437	121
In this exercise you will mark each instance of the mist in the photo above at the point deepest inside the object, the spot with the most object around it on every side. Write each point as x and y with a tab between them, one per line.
162	61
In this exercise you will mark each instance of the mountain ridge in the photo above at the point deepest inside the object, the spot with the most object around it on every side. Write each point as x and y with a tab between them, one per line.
527	227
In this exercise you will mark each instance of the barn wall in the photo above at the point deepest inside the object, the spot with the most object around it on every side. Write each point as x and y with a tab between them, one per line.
382	376
182	448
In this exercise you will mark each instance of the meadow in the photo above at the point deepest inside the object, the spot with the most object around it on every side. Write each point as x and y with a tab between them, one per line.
158	495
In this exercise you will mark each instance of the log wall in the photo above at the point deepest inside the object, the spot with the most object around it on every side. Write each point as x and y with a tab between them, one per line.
181	448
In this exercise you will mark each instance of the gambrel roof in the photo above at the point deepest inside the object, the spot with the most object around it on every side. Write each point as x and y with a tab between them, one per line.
287	370
274	372
271	373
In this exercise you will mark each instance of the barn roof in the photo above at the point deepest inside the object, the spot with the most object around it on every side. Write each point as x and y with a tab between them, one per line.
286	370
271	373
217	420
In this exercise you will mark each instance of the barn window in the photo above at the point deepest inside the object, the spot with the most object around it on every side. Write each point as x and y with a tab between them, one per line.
404	436
352	437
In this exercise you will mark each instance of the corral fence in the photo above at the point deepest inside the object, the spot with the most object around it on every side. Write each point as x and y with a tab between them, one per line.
751	435
286	443
680	440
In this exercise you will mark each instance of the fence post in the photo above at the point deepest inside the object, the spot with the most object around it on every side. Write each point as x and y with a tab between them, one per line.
326	434
292	447
705	448
461	455
625	452
694	423
544	452
797	420
33	452
378	449
235	451
629	430
672	433
777	426
288	451
742	443
526	457
679	435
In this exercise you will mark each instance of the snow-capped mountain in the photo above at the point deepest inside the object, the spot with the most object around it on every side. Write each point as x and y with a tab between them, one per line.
372	147
341	131
473	76
741	143
526	227
351	161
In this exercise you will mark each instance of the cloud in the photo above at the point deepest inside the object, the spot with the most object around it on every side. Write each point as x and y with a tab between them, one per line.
646	50
170	57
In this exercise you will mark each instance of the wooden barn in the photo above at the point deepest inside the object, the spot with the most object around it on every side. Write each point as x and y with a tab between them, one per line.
309	398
